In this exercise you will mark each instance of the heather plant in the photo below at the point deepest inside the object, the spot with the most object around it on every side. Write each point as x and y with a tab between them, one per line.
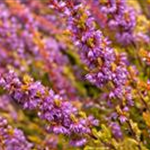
74	74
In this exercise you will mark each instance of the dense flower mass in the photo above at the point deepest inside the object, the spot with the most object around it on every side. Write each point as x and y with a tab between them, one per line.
122	19
12	138
19	41
95	50
74	74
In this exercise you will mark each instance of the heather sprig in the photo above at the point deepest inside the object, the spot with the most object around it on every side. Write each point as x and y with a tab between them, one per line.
106	67
58	112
